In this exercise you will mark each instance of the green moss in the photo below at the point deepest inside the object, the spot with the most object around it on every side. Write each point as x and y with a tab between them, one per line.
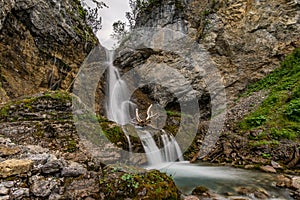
137	183
72	146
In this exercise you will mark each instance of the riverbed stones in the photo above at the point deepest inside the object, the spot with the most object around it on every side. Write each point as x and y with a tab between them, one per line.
267	168
15	167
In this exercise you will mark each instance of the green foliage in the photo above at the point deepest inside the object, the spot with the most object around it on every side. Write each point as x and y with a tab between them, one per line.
254	121
287	73
266	155
279	114
293	110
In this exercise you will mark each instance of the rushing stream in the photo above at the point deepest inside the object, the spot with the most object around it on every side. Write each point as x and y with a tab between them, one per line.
221	180
187	176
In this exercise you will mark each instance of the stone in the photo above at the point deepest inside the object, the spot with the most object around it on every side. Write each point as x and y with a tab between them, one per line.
295	183
6	197
39	28
4	190
38	159
8	151
73	170
15	167
267	168
42	186
199	190
52	166
19	193
8	184
276	165
191	197
283	181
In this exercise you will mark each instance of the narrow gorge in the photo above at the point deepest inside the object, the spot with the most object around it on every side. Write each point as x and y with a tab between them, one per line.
199	100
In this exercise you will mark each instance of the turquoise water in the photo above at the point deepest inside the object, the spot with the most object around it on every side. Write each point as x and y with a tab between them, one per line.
220	179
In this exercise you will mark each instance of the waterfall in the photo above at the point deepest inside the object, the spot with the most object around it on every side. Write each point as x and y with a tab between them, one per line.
118	109
169	153
118	105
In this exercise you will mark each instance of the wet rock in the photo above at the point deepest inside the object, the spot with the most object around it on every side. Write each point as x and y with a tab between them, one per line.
41	186
19	193
15	167
200	190
267	168
52	166
190	197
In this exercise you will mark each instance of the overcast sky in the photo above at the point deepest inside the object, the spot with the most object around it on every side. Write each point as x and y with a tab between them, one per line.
115	12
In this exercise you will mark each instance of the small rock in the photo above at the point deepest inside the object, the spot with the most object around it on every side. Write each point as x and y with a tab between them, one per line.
73	171
52	166
239	198
283	181
249	166
4	190
34	149
199	190
276	165
20	193
8	151
268	168
42	187
6	197
38	159
55	197
191	197
8	184
296	183
15	167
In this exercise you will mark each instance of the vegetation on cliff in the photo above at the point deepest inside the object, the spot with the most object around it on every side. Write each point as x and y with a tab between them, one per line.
279	115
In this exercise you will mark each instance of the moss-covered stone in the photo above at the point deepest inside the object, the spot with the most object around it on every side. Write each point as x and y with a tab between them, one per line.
121	182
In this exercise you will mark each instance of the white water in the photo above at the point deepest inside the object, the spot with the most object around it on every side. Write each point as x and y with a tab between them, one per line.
118	103
118	109
169	153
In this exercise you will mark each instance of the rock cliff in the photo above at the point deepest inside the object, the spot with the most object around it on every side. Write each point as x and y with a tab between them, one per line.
245	39
42	45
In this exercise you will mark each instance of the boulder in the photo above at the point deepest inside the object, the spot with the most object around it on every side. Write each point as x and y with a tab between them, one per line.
120	182
15	167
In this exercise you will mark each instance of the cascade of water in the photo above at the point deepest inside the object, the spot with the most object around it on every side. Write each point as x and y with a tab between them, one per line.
118	105
153	153
118	109
169	153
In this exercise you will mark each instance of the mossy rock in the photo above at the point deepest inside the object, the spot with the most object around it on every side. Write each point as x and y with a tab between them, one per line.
199	190
121	182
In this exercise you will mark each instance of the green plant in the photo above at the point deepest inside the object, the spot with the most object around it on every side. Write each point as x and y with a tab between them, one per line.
266	155
255	121
293	110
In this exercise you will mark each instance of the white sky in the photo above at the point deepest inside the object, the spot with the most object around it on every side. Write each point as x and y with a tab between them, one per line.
115	12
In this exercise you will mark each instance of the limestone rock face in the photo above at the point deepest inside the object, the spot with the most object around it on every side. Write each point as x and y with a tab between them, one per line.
42	45
244	39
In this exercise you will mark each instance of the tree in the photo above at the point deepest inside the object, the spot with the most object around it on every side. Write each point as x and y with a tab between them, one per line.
120	30
91	8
